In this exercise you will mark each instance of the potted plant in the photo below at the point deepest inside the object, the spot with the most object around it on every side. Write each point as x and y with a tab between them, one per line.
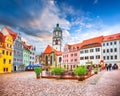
57	71
80	72
38	71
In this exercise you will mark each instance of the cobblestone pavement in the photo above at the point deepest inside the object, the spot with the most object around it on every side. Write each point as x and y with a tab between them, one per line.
106	83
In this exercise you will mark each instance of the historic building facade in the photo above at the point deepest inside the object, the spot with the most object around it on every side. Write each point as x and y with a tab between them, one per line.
98	50
6	44
71	56
91	51
18	54
32	55
50	58
26	54
17	50
111	49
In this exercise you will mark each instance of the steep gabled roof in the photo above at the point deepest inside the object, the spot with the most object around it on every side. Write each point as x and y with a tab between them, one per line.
49	50
26	46
13	34
2	37
112	37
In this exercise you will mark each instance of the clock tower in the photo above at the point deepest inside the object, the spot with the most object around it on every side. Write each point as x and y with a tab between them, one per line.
57	38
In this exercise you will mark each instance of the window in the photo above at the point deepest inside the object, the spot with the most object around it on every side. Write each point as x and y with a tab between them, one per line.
111	57
111	50
114	42
75	59
71	54
104	51
73	66
115	49
75	54
9	61
6	52
104	57
115	56
91	50
107	57
86	51
107	44
110	43
98	57
97	49
91	57
4	61
81	58
3	51
81	52
71	60
10	53
86	57
60	59
4	69
107	50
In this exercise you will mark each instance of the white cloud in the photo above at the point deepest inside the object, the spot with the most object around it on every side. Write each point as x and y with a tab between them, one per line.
95	2
46	22
48	18
91	33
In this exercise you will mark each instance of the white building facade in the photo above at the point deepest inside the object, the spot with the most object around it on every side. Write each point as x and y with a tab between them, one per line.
91	51
90	55
111	49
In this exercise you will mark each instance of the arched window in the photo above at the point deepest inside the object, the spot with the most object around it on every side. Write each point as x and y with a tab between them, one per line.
60	59
46	60
56	42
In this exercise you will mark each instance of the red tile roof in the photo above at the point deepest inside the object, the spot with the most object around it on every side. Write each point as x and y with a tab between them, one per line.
93	42
26	46
2	37
49	50
112	37
13	34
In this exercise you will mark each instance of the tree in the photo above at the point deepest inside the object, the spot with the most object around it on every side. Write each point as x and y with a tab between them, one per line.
38	71
80	71
57	71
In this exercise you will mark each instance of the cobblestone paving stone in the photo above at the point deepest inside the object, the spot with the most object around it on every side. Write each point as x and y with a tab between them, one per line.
25	84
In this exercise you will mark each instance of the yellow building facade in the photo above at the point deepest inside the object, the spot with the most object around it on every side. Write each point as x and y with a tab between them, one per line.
6	44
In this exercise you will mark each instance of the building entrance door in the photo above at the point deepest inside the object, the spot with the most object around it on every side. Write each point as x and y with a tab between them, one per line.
14	68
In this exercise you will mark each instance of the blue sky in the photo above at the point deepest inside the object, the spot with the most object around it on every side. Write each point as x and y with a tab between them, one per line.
79	19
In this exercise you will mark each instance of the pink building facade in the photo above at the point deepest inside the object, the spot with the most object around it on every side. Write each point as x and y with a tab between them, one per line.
70	57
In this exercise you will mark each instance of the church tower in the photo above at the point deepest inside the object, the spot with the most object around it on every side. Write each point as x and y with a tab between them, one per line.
57	38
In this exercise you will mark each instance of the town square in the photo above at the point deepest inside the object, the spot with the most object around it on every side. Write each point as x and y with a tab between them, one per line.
59	48
104	84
